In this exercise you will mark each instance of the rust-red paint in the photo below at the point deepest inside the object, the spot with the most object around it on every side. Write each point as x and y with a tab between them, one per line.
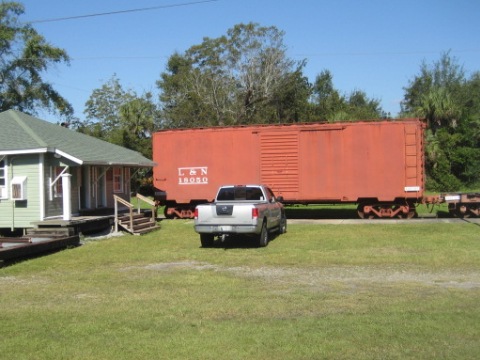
304	163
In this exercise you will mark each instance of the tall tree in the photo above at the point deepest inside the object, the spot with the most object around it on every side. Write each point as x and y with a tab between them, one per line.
25	56
435	93
121	116
332	106
450	102
438	108
238	78
138	120
292	102
103	105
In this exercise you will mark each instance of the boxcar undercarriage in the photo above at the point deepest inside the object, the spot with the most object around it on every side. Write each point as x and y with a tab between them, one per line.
461	205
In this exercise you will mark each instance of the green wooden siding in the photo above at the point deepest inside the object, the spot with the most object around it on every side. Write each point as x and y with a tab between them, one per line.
21	213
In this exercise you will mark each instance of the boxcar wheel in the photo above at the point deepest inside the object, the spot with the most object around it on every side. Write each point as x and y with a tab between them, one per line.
263	238
360	211
412	214
206	240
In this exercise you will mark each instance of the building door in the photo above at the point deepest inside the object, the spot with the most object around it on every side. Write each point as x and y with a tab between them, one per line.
84	188
92	189
99	182
279	162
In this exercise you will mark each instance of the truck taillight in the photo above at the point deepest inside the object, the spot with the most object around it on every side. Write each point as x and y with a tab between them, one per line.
195	214
254	213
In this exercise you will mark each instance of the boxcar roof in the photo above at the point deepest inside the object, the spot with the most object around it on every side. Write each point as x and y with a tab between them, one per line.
23	134
287	126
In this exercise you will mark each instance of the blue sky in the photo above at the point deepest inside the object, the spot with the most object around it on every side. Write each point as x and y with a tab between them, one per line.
376	46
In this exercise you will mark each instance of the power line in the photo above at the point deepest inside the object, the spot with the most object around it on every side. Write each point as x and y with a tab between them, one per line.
383	53
121	12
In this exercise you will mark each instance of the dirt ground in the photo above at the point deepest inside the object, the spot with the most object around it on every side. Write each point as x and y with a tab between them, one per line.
349	276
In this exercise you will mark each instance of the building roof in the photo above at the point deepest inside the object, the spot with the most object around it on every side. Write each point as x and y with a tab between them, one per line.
24	134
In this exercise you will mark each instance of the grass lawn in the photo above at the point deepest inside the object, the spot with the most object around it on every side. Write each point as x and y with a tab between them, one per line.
404	291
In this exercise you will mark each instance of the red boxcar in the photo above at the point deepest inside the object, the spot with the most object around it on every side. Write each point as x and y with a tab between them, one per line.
378	165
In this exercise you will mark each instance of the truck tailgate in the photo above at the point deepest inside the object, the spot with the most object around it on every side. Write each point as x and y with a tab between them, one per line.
225	214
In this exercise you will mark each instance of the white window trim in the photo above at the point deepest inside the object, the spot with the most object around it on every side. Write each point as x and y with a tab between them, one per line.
118	189
126	182
4	188
19	188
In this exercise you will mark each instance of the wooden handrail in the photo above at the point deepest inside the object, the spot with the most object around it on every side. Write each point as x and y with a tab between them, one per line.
117	200
149	202
145	199
130	207
124	202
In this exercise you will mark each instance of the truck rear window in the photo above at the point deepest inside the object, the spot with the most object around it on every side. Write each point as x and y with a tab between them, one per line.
240	193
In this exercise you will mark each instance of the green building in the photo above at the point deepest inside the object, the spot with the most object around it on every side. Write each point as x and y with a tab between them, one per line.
48	171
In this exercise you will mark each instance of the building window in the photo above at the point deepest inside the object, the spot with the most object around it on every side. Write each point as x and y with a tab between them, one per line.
126	181
57	188
3	179
19	188
117	180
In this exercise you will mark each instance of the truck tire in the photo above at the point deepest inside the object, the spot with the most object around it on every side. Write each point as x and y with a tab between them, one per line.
206	240
263	238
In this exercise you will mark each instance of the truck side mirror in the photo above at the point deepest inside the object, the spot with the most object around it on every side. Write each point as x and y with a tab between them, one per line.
279	198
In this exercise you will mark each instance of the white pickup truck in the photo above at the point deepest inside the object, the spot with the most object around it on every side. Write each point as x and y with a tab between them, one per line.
241	209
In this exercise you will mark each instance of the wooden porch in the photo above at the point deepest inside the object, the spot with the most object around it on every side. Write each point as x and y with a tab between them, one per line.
125	215
75	226
18	248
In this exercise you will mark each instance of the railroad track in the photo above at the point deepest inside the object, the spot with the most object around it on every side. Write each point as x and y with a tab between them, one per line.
425	220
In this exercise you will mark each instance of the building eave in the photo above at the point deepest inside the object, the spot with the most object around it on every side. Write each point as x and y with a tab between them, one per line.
114	163
24	152
68	156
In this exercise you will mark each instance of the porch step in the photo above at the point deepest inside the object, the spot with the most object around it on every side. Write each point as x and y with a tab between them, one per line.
50	231
74	226
142	223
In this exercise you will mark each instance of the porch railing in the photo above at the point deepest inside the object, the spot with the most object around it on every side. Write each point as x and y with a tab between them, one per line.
149	202
118	200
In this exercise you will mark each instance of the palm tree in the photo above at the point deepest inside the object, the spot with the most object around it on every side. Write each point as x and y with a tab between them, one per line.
138	117
438	108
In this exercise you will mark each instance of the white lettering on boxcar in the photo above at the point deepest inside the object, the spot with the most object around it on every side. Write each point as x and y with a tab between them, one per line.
197	175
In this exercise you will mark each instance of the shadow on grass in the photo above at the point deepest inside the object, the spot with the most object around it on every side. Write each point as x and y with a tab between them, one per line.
239	242
316	212
443	214
33	256
348	212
